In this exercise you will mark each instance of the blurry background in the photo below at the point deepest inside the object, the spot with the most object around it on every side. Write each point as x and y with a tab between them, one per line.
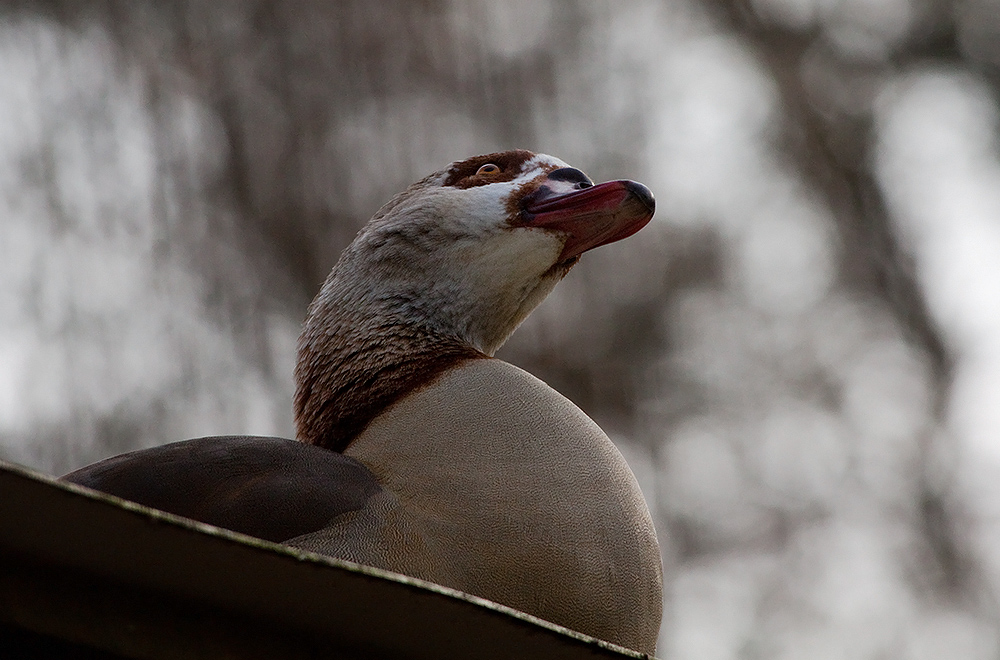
800	356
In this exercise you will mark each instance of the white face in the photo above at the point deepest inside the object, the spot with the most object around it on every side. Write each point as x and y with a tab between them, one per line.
450	252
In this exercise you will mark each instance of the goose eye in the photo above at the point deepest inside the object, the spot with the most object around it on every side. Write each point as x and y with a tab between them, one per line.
488	168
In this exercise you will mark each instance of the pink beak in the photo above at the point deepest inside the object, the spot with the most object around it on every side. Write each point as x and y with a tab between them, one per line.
590	216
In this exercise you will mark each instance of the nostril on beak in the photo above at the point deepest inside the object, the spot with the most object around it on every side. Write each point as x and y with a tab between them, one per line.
571	175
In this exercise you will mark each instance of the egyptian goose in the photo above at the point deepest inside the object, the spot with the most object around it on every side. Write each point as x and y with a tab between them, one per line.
418	452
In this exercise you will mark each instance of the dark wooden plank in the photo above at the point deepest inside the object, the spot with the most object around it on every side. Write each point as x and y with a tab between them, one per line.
93	570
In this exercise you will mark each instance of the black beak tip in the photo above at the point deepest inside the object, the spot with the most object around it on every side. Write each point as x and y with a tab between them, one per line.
642	193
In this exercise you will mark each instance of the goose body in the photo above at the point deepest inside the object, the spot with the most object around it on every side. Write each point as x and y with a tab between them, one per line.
527	503
418	452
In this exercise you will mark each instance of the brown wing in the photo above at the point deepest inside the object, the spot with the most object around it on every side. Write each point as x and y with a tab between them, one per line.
271	488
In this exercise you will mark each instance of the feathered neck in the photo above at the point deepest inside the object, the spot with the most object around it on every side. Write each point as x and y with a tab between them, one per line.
438	276
352	366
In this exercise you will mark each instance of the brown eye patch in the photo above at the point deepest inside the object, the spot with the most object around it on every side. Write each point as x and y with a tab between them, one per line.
465	173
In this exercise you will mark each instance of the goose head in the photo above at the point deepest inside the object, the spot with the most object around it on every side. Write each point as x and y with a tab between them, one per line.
450	267
470	251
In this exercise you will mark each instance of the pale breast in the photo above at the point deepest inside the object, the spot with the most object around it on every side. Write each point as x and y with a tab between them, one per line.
499	486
